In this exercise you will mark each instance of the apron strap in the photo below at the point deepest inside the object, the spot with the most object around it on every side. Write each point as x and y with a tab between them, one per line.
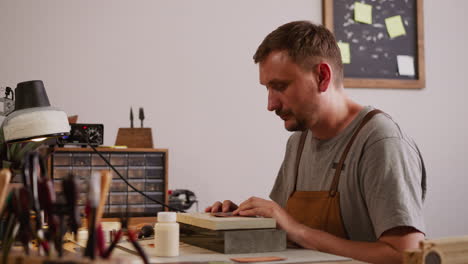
298	156
339	167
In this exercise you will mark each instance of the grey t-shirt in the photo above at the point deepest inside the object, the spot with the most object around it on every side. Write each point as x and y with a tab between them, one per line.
381	186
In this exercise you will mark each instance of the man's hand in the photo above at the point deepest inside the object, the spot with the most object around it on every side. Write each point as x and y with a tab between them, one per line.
225	206
255	206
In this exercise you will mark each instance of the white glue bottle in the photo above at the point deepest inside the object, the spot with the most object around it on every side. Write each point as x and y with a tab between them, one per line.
166	235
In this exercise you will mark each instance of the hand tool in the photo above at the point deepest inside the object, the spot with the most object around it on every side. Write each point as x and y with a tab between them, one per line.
71	189
132	237
106	179
92	204
5	176
141	116
131	117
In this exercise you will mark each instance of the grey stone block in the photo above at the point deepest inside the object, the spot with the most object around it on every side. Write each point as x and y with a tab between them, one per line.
234	241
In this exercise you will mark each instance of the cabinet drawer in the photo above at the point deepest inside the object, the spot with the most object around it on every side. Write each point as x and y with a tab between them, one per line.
122	171
135	198
158	196
118	198
82	172
155	173
136	160
156	159
118	186
60	173
62	159
118	159
96	160
154	186
136	173
81	159
138	184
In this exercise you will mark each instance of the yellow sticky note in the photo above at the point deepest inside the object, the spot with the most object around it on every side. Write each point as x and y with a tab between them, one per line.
363	13
395	26
345	52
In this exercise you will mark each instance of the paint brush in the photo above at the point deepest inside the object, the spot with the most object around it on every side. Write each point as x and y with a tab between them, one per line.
106	179
5	176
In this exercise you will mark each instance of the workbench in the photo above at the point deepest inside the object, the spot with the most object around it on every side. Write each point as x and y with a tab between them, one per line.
190	253
125	253
193	254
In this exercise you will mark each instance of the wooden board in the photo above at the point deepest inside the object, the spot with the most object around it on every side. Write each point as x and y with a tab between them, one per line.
205	220
135	137
452	250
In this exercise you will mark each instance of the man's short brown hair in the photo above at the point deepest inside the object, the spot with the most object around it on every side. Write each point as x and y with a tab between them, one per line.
306	43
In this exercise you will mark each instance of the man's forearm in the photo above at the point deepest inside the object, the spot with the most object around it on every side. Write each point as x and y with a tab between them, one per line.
373	252
388	249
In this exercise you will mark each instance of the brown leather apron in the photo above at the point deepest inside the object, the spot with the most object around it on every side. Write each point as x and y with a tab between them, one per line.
321	209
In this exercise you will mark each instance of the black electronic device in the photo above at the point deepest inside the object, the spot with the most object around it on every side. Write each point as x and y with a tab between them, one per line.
182	199
83	134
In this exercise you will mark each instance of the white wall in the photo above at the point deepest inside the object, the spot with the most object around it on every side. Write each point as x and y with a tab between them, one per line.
189	64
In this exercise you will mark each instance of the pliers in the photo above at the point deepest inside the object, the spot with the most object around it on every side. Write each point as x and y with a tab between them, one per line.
132	237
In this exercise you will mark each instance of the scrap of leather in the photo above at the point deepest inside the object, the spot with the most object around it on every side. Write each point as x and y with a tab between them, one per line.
221	214
228	214
257	259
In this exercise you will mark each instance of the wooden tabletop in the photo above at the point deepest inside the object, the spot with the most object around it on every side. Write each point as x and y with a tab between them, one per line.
189	253
138	222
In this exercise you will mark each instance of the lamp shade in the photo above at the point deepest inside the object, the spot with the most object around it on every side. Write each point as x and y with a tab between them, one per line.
33	116
30	94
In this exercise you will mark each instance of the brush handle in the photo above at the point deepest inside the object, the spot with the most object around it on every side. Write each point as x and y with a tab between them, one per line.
106	179
141	115
131	117
5	176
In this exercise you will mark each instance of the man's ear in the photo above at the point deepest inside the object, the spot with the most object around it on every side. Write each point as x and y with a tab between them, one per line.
324	76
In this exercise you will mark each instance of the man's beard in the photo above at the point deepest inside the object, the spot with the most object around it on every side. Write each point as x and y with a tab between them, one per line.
300	124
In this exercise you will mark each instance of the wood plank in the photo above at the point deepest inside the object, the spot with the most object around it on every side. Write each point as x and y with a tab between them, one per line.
442	250
205	220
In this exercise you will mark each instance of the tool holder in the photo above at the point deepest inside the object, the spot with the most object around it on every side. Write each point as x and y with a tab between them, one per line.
135	137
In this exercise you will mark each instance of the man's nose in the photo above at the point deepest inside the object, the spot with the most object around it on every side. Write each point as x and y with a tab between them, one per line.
273	102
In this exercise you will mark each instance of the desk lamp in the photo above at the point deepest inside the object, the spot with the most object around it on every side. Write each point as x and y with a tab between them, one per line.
33	118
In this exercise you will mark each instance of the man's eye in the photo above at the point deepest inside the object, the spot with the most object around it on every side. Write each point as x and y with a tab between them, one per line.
279	86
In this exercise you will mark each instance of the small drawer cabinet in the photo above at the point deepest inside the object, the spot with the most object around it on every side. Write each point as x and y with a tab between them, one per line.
145	169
